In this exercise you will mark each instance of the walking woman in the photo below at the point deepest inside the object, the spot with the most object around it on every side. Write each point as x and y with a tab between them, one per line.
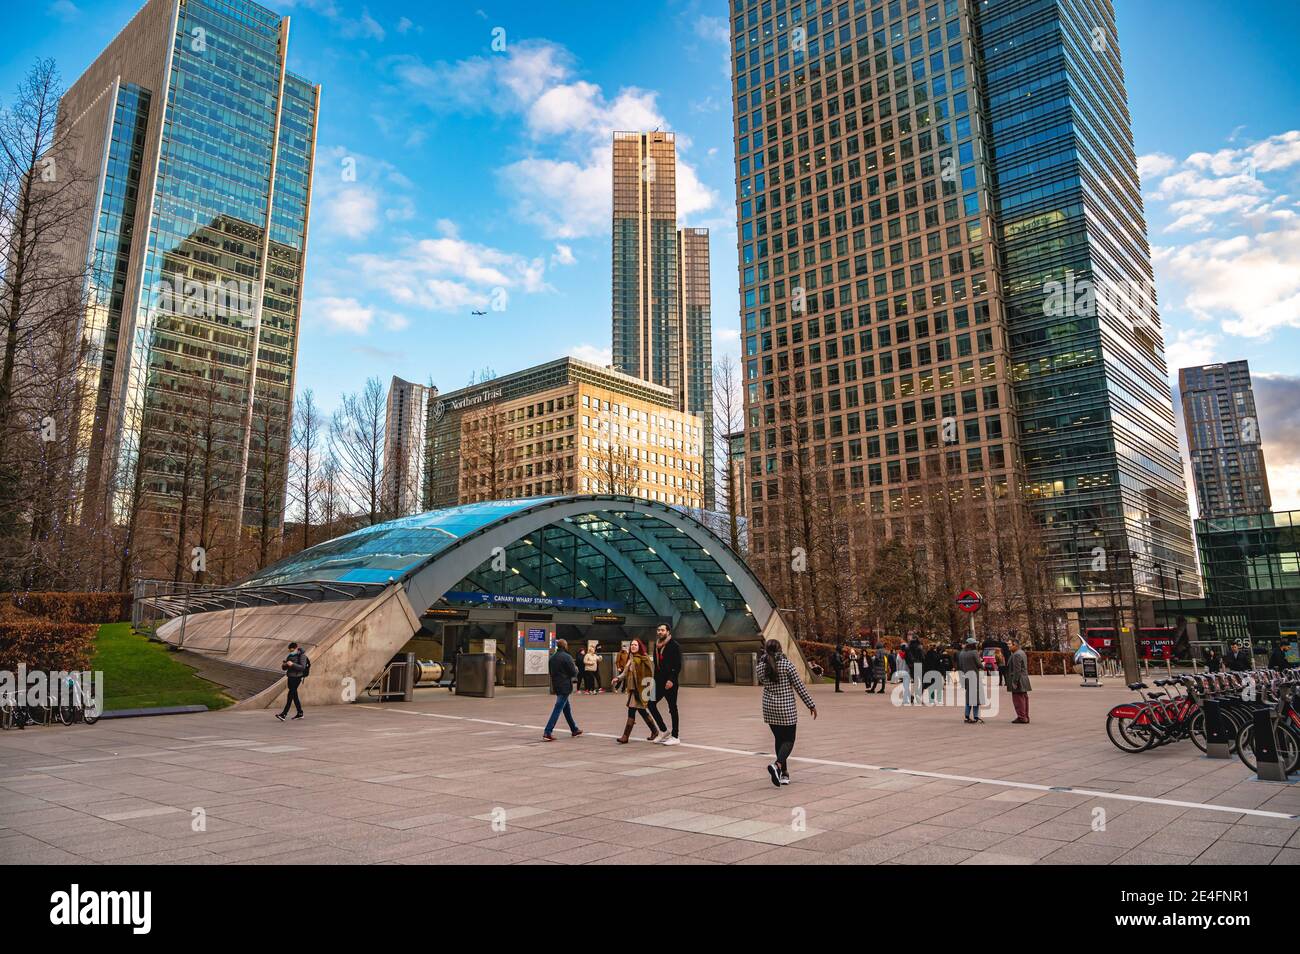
780	682
638	680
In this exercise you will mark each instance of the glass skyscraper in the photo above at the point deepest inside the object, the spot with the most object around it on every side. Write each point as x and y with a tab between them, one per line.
202	143
943	268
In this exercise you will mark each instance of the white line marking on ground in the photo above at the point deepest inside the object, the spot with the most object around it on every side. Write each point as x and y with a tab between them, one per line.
972	779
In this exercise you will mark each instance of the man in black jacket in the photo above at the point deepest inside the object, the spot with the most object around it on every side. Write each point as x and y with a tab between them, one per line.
916	666
296	665
563	671
668	668
1277	658
1239	658
837	664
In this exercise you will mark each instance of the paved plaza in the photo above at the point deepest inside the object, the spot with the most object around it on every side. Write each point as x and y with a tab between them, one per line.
448	780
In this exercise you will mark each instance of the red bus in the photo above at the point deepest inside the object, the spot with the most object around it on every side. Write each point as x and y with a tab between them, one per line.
1153	642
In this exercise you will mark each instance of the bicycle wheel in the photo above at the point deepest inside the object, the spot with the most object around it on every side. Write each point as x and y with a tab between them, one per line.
1288	748
1196	729
67	714
1126	736
90	716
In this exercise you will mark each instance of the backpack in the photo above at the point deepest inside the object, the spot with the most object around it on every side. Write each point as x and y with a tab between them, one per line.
306	666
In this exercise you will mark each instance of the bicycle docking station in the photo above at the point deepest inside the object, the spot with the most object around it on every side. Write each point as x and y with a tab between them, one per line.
1216	733
1267	766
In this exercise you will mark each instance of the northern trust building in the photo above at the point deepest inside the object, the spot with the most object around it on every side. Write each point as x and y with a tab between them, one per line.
943	257
200	145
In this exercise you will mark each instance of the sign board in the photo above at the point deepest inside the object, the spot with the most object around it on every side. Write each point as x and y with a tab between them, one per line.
490	646
536	662
1089	664
968	601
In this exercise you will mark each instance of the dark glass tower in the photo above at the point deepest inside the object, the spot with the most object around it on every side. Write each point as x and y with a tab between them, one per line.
942	258
1095	413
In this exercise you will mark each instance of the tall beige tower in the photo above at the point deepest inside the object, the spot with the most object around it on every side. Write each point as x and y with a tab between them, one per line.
661	303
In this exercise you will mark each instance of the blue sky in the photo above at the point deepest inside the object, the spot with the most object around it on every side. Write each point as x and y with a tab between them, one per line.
479	170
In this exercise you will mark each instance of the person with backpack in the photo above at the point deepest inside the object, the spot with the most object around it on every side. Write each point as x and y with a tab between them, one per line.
296	667
780	682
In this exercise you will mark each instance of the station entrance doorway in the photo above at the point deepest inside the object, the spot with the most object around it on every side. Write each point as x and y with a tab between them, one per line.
522	641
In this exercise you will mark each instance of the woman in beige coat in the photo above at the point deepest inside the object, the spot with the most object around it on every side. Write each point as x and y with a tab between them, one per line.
638	679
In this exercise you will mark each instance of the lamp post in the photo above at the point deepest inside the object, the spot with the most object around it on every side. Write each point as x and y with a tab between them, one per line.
1078	574
1164	597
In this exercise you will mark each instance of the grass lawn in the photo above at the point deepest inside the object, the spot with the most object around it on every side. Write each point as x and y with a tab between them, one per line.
140	674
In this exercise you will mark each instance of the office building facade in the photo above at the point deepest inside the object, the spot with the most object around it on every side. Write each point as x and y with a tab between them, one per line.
562	427
404	420
201	144
925	192
1223	440
662	312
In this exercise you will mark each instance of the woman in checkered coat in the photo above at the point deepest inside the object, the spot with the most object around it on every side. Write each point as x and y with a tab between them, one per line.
780	682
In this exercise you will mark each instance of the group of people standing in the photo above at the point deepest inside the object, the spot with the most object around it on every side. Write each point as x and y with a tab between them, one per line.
645	681
923	666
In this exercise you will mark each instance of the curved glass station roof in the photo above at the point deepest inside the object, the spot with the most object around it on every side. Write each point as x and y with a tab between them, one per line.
599	554
388	551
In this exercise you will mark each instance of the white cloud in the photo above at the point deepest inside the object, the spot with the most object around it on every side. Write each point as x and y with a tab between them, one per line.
341	314
65	10
563	255
1190	348
352	211
1154	165
354	193
1249	283
594	354
562	186
565	199
448	273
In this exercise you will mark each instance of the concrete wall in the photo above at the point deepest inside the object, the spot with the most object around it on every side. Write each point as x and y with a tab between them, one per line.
348	641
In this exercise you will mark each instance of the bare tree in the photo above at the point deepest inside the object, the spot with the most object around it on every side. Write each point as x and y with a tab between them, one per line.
269	447
728	418
304	460
612	466
214	433
357	443
42	208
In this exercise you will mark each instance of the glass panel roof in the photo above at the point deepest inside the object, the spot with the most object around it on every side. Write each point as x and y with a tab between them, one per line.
389	550
555	561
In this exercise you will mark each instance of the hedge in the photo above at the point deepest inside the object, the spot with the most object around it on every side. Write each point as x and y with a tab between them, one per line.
41	644
75	607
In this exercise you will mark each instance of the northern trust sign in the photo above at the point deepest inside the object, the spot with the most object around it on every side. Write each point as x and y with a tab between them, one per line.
440	408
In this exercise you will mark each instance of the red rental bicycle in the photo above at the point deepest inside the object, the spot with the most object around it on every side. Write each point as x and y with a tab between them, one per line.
1156	719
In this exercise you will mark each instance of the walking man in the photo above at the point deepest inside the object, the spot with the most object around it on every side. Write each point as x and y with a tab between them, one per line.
563	671
1018	682
296	666
668	668
837	663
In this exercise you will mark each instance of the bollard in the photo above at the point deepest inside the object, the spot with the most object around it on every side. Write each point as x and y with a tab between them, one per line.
1216	733
1267	766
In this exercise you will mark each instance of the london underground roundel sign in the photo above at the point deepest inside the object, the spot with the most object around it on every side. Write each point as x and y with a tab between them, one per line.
968	601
